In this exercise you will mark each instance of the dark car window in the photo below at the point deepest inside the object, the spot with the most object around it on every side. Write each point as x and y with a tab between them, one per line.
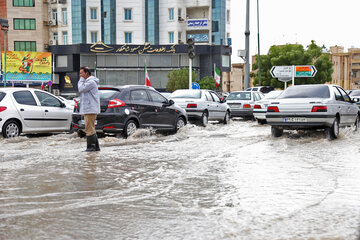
2	95
216	98
338	95
239	96
24	97
107	94
139	95
47	100
306	91
156	97
208	97
345	95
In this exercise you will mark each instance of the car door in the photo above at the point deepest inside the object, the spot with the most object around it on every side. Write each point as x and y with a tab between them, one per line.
341	106
56	115
28	109
351	108
210	105
143	107
220	108
165	116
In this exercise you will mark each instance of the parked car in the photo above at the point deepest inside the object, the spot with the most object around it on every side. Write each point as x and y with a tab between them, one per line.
202	105
242	102
166	94
261	106
27	110
263	89
69	103
312	107
355	94
124	109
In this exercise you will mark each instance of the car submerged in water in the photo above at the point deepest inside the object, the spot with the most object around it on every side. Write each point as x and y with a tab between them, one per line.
124	109
312	107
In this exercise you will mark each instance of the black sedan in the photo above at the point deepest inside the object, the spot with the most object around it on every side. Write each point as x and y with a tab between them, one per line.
124	109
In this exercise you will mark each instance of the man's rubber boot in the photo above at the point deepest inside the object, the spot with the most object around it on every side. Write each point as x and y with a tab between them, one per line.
91	143
97	147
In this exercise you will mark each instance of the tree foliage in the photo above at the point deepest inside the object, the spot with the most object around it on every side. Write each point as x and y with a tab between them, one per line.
179	79
207	83
294	54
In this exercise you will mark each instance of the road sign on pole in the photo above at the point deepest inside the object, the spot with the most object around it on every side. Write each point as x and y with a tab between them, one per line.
305	71
281	71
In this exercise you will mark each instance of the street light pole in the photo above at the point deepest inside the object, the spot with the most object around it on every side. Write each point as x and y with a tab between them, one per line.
259	72
247	40
5	61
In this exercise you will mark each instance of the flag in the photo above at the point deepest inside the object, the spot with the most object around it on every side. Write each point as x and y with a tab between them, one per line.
42	86
217	76
147	78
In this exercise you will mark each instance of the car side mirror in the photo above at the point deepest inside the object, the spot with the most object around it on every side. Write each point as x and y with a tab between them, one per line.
62	105
169	103
223	100
355	100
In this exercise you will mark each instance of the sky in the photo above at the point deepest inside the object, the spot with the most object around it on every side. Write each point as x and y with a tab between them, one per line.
328	22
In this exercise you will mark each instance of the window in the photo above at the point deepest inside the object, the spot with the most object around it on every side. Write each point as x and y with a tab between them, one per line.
127	12
54	15
179	12
64	16
171	37
215	97
65	37
128	37
93	13
171	14
208	97
94	37
345	95
29	46
228	16
47	100
156	97
55	36
139	95
24	24
23	3
179	36
24	97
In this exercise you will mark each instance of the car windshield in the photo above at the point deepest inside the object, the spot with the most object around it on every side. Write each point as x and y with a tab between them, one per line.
355	93
186	94
239	96
306	91
272	94
106	94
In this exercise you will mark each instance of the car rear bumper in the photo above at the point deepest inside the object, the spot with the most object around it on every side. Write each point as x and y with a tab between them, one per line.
105	123
241	112
194	114
259	114
300	121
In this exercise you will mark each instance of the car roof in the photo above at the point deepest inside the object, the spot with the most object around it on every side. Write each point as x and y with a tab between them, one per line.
125	86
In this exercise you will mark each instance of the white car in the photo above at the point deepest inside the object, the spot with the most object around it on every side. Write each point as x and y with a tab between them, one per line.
69	103
261	106
314	106
27	110
242	102
202	105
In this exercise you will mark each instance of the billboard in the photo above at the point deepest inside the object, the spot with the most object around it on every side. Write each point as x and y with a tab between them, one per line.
27	66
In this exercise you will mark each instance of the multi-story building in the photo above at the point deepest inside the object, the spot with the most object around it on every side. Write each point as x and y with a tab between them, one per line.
346	67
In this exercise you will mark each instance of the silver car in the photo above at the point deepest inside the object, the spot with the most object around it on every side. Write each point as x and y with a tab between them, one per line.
202	105
242	103
261	106
312	107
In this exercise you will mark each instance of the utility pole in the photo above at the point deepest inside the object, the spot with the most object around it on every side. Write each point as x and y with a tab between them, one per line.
259	72
247	36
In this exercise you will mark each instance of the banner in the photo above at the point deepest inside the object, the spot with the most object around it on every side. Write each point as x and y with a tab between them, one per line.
27	66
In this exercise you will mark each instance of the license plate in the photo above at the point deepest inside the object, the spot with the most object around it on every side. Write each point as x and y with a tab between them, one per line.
82	122
295	119
235	105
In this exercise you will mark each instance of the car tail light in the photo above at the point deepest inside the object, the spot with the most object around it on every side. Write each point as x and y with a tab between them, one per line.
319	109
76	104
116	103
2	109
246	106
257	106
191	105
74	126
273	109
109	127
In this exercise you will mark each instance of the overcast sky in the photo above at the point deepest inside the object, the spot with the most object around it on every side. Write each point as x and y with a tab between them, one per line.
328	22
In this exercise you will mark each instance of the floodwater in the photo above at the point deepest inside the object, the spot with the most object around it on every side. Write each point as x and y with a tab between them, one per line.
220	182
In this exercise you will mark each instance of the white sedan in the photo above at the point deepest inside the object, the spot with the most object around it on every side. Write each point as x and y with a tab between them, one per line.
261	106
27	110
312	107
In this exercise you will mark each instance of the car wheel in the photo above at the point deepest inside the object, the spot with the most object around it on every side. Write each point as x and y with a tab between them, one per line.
261	121
356	124
226	118
333	131
11	129
276	132
204	119
180	122
130	128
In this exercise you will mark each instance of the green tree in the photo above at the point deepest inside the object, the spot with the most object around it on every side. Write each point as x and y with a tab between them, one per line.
207	83
179	79
294	54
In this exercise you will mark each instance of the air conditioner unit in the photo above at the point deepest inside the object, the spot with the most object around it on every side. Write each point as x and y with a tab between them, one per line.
52	22
53	42
180	19
46	46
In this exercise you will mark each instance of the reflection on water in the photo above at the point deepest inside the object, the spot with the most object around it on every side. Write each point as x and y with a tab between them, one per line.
219	182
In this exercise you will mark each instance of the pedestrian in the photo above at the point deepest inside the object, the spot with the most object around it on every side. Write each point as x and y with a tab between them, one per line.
89	106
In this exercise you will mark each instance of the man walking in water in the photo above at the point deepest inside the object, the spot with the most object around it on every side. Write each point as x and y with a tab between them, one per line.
89	106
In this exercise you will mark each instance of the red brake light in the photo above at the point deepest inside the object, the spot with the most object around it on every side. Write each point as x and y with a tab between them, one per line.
246	106
76	104
257	106
319	109
109	127
2	109
273	109
116	103
191	105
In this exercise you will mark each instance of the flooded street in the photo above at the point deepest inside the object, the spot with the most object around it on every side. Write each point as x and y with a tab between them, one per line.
220	182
